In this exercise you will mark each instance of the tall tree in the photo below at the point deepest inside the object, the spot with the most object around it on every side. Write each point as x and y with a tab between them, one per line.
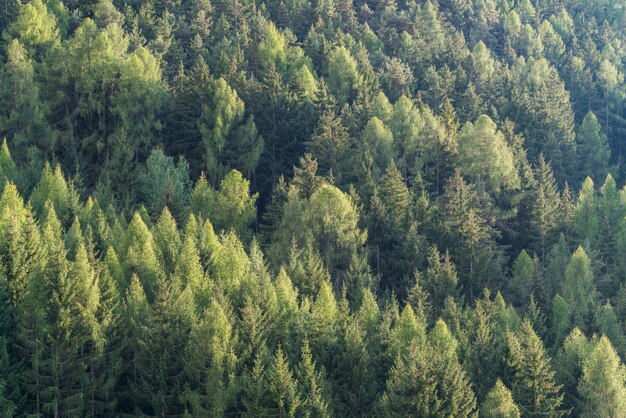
579	290
593	149
499	403
534	386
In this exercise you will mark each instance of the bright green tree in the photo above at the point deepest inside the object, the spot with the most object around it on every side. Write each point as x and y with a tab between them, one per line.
165	184
499	403
593	148
343	74
579	290
534	387
523	278
485	156
602	386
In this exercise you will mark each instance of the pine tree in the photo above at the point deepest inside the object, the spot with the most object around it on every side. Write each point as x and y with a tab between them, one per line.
560	321
167	240
107	366
134	323
52	187
499	403
19	242
579	290
210	362
8	169
343	75
160	365
231	207
485	157
140	256
611	211
322	325
586	222
545	213
484	348
72	329
468	224
282	388
523	278
23	118
593	149
440	280
312	386
165	184
330	144
422	383
353	373
534	387
602	386
569	360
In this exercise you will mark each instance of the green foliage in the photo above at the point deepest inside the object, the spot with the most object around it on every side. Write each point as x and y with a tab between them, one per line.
534	387
343	75
35	26
230	207
165	184
602	386
485	157
523	278
578	289
593	148
362	171
499	403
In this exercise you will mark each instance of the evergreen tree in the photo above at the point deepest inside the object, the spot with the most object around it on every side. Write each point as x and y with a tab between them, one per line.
603	383
534	387
312	386
593	149
523	278
545	213
499	403
159	386
579	290
165	184
485	157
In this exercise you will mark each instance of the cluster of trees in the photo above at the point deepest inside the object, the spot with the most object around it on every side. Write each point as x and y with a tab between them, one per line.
312	208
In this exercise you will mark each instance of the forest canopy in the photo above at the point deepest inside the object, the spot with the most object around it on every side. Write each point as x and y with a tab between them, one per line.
312	208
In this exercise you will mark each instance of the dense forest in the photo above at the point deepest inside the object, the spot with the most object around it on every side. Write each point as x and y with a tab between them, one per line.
313	208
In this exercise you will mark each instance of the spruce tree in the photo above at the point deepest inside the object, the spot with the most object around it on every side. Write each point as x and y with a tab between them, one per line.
312	386
579	290
499	403
533	384
545	213
210	362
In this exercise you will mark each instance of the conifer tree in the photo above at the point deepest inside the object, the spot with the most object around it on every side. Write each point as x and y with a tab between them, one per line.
593	148
160	365
579	290
534	387
523	278
545	213
282	387
210	362
312	386
135	320
499	403
570	359
140	256
586	222
167	240
353	373
440	280
602	386
485	157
